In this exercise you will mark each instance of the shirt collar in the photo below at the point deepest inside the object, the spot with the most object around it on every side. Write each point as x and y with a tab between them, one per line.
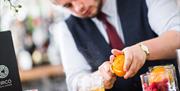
109	7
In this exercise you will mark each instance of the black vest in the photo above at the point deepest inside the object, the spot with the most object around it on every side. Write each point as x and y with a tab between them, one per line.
90	42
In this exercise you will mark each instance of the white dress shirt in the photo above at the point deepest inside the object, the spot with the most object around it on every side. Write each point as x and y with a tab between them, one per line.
163	15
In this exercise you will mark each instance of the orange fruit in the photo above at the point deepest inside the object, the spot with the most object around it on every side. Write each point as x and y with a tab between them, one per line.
117	65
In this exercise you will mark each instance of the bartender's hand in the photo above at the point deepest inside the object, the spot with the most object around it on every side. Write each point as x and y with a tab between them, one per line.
108	77
135	58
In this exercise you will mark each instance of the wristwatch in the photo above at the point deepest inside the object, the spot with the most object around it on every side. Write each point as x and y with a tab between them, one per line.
144	48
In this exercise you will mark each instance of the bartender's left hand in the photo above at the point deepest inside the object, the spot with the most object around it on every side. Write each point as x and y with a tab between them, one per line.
108	77
135	58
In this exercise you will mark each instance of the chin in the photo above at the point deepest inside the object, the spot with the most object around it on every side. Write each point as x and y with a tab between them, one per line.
92	15
87	16
81	16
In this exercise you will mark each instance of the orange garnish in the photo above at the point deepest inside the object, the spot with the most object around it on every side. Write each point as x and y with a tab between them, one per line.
158	74
158	69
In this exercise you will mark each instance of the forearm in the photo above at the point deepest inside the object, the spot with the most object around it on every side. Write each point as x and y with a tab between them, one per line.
164	46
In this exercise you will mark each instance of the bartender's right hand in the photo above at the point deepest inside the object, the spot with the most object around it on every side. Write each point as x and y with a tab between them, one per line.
108	77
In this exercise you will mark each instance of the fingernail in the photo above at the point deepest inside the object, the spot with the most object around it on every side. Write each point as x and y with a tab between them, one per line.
112	50
125	77
125	69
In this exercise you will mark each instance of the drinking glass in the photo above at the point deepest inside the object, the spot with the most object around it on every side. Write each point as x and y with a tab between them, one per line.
160	78
178	60
92	82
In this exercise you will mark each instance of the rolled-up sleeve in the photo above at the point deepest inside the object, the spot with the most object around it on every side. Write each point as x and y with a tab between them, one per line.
74	63
163	15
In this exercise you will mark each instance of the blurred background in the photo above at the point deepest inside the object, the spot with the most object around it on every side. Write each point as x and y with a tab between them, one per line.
38	59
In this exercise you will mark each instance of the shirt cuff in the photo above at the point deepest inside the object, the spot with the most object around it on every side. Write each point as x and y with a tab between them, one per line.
176	28
74	80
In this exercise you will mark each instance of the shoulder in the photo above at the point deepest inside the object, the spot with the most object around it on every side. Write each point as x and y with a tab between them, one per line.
163	15
59	29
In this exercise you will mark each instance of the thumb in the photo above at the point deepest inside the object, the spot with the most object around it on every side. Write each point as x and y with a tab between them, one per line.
116	52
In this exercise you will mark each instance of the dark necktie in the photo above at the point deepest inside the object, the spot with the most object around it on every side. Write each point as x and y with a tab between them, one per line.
115	41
